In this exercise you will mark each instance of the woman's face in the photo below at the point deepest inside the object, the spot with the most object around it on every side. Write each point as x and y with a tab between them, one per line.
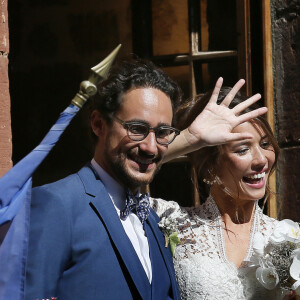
244	166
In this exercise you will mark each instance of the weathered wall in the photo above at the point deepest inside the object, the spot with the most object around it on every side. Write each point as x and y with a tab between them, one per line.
286	55
5	128
53	46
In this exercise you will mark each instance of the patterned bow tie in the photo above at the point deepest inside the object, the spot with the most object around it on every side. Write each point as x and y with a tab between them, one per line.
139	205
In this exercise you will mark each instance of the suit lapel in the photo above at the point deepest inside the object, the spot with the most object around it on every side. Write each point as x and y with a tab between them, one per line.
166	253
108	215
158	265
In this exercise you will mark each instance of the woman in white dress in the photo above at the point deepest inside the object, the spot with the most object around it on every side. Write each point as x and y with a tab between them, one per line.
217	237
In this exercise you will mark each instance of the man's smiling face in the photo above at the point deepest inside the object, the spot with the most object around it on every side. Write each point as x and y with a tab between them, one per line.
134	163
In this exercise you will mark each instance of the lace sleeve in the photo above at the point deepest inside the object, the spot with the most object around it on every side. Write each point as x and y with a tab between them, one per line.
267	226
164	208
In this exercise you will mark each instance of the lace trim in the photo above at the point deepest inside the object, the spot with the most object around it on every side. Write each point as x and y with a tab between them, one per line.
220	232
221	238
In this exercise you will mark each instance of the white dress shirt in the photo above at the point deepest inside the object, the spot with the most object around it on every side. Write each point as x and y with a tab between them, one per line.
132	225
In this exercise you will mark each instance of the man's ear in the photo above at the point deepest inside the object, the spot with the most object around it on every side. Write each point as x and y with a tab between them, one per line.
98	123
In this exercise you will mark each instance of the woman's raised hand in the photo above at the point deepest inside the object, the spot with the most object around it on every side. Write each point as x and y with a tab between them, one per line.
214	124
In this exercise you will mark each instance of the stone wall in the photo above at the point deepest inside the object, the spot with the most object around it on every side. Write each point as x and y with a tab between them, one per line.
5	128
286	59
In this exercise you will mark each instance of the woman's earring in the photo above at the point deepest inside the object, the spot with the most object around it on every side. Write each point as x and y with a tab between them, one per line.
210	182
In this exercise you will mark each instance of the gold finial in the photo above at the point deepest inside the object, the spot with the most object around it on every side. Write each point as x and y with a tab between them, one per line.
100	71
88	88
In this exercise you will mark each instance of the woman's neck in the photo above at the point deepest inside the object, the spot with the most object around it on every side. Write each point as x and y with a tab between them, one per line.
233	211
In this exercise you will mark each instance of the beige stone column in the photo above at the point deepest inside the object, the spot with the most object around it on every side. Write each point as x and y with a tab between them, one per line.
5	118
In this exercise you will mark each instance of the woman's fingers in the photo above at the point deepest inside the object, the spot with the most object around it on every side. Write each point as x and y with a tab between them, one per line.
233	92
216	91
243	105
235	137
251	115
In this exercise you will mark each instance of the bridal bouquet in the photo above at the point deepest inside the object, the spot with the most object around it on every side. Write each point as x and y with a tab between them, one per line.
278	260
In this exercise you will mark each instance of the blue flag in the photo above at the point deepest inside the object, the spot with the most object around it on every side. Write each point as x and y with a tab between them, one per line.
15	191
15	196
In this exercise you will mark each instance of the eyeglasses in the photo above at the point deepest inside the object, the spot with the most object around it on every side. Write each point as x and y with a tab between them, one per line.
138	131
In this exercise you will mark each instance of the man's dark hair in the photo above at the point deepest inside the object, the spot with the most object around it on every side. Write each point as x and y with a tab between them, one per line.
133	73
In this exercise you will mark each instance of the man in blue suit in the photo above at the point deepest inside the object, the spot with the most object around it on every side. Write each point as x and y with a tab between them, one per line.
92	234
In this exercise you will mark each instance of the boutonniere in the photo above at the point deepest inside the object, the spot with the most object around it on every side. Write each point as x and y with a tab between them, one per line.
168	227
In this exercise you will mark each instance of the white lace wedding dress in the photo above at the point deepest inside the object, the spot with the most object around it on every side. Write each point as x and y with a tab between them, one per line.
202	268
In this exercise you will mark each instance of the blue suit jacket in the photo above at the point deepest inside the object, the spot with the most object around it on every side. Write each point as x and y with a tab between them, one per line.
78	248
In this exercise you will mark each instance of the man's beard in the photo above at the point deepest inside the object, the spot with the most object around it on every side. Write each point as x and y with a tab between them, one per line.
119	170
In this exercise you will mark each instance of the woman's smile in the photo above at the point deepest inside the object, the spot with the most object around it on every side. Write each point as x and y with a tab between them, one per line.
245	165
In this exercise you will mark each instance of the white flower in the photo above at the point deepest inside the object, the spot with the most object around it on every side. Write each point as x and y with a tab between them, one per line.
295	272
273	258
267	277
295	252
168	225
259	244
169	228
286	230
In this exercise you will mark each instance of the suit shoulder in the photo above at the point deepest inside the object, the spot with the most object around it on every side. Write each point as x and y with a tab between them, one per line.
62	192
70	183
